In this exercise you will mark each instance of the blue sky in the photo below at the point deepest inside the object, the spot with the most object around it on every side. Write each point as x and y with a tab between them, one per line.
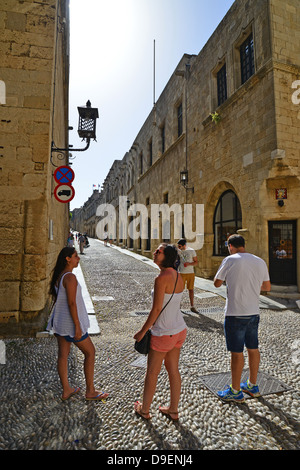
111	64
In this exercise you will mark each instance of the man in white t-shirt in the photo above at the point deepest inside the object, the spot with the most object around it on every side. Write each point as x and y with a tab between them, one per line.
188	259
246	275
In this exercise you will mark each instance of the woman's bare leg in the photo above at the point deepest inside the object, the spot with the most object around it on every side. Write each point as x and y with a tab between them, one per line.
62	366
171	364
88	349
155	359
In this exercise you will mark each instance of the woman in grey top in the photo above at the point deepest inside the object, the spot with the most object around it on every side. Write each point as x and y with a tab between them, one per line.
69	322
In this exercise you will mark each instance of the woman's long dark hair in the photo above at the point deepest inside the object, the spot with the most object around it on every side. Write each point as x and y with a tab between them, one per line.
61	262
171	256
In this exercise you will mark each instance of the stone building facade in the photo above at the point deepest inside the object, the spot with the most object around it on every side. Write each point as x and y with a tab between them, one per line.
84	219
34	75
229	118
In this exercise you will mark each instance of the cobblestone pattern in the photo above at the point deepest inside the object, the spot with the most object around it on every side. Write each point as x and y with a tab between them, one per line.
34	417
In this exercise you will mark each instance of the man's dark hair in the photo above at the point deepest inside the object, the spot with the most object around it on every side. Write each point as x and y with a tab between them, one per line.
181	242
236	240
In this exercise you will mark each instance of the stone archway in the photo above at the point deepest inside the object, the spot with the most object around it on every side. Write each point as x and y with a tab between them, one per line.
210	262
227	221
212	201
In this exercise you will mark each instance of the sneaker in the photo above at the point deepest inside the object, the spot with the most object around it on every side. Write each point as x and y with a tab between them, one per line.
193	309
253	391
229	395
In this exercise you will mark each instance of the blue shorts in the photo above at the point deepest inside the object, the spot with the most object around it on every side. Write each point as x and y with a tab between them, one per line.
241	331
72	340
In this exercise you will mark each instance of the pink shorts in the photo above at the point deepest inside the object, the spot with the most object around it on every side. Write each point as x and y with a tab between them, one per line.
167	342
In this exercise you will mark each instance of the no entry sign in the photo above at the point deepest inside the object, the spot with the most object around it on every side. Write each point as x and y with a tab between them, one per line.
64	175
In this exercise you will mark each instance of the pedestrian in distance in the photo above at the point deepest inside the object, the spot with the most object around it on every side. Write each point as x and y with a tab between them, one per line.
246	275
70	241
81	240
188	259
70	323
168	333
86	241
105	237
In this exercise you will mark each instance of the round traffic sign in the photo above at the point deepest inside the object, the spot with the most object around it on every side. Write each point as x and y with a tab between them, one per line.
64	192
64	175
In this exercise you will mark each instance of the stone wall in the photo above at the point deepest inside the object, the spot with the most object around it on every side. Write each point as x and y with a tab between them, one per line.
33	225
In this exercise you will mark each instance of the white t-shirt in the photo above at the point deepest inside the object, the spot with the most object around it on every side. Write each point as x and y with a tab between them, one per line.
186	256
244	274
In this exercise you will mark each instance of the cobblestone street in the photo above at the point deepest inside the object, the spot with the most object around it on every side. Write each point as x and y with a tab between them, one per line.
34	417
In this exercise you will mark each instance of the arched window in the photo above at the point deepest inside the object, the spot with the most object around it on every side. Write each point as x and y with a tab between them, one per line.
227	220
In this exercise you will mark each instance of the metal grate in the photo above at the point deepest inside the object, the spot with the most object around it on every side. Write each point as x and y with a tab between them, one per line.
205	311
202	311
267	385
140	313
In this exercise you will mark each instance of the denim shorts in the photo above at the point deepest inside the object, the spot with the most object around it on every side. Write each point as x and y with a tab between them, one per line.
72	340
241	331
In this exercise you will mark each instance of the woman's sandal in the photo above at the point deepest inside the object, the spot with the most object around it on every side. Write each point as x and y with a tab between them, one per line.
100	396
138	410
165	411
76	390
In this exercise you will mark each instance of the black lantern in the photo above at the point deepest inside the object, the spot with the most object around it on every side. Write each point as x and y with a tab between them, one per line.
87	121
184	179
86	128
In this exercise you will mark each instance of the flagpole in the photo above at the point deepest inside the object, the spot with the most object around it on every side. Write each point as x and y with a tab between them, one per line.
154	73
154	103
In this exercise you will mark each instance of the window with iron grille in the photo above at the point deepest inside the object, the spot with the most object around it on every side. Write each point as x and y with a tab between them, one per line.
247	58
179	120
222	85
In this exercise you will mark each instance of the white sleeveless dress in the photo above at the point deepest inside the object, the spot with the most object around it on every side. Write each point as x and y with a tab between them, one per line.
61	321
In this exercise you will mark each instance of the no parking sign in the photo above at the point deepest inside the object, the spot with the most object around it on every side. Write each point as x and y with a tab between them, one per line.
64	191
64	175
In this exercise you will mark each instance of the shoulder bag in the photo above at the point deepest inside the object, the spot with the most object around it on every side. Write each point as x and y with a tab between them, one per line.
143	346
